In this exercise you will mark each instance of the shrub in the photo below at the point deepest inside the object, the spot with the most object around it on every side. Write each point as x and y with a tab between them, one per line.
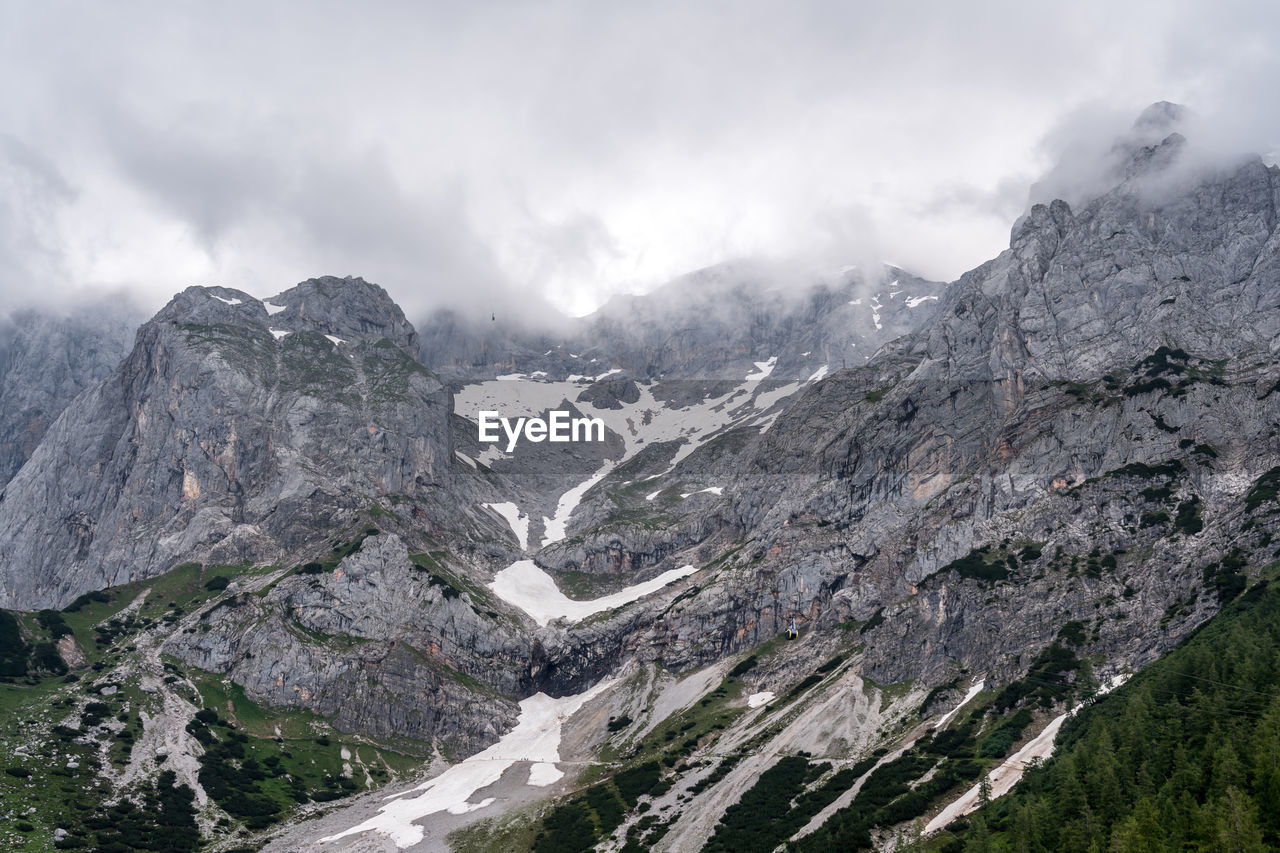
217	583
744	667
1264	490
1188	519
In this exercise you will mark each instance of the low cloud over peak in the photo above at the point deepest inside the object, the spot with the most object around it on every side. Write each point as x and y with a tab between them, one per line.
524	157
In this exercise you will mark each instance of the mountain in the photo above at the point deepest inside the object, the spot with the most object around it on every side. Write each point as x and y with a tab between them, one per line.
711	324
785	602
234	430
46	359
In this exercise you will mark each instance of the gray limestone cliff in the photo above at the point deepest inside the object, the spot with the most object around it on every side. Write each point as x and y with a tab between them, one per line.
48	357
228	433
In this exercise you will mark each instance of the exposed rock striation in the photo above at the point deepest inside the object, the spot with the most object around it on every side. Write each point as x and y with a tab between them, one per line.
46	359
227	434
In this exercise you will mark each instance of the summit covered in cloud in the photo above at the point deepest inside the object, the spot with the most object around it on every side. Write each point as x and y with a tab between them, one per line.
560	154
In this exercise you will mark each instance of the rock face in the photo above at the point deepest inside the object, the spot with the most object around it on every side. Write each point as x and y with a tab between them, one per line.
1072	437
227	434
46	359
1105	389
381	644
719	322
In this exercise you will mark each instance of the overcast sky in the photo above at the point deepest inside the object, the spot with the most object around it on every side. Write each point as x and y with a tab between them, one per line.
472	153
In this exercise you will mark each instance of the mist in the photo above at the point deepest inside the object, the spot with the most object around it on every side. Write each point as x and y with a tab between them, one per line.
538	159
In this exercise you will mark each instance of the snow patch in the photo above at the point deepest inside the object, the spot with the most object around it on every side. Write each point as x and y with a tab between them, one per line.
763	369
913	301
553	529
228	301
510	377
579	377
715	490
531	589
1004	777
974	690
642	423
489	455
333	339
543	774
535	738
462	457
755	700
278	333
273	309
518	521
766	401
819	373
652	495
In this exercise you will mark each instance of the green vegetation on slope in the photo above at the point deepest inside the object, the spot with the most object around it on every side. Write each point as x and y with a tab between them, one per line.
1186	756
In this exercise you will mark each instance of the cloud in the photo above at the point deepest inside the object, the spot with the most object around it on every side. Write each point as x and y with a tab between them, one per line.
481	155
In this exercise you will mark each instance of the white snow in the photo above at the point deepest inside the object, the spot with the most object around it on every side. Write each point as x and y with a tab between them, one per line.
857	301
766	400
819	373
974	690
755	700
553	529
544	774
913	301
715	490
1004	777
644	422
763	369
535	738
462	457
804	355
537	373
652	495
579	377
273	309
533	591
335	340
510	377
519	522
228	301
490	454
278	333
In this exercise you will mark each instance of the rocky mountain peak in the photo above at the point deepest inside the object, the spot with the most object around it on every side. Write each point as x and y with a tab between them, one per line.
1161	118
349	308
